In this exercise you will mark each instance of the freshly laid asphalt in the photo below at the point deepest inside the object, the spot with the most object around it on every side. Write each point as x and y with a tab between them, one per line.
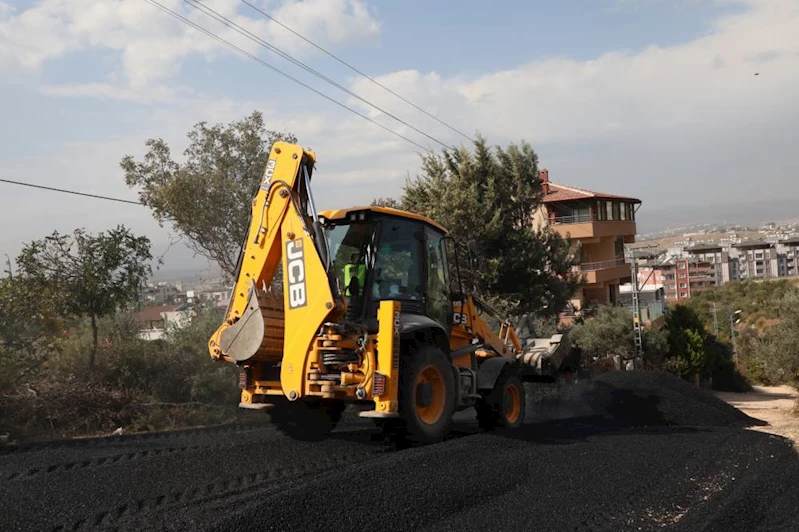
625	452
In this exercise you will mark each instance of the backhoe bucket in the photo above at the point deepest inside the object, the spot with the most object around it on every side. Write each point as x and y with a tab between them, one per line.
242	340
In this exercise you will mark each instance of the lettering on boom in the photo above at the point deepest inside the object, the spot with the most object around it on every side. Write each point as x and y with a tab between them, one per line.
268	171
295	270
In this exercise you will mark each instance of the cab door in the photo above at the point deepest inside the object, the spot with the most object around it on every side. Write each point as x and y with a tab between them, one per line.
437	301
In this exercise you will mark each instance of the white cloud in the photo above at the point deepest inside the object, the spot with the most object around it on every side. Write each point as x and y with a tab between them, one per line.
152	44
707	80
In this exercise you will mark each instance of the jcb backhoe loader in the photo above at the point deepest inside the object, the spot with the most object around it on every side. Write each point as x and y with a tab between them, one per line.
359	305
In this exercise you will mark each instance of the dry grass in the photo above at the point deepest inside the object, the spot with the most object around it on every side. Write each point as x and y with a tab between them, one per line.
53	410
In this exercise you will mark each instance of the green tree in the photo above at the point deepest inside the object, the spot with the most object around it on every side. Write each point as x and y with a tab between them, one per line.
98	273
777	349
489	196
30	328
387	202
207	197
690	350
610	333
687	357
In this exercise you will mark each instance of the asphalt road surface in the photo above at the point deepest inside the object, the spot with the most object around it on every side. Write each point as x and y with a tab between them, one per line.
590	472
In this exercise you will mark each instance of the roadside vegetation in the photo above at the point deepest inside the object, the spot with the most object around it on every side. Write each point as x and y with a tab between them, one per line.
63	374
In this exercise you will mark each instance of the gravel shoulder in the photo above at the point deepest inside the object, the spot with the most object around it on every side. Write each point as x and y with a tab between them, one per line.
772	404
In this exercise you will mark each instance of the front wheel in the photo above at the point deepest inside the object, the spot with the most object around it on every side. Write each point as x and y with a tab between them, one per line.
505	405
426	395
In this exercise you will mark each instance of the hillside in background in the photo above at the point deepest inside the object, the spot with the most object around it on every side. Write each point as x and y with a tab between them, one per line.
690	216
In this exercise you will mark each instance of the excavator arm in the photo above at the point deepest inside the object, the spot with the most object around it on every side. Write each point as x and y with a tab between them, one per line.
260	323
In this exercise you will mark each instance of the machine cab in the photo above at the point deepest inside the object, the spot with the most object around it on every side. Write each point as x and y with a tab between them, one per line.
378	253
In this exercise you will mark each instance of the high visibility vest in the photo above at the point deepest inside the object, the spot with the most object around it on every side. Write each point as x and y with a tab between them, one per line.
354	270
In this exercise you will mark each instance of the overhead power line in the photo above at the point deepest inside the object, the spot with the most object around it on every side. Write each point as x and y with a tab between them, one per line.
65	191
282	73
210	12
359	72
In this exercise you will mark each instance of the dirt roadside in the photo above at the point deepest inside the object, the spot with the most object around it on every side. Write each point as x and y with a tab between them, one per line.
773	404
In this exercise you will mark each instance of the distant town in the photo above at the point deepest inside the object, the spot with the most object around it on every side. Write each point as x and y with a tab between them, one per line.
689	263
173	304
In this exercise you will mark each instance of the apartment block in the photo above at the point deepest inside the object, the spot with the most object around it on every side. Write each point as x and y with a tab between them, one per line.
680	278
719	259
788	257
757	260
601	224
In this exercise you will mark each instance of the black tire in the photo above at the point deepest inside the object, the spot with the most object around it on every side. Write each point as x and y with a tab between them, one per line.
505	405
307	420
426	395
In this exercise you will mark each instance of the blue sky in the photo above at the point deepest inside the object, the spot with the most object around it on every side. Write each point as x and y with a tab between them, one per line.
652	98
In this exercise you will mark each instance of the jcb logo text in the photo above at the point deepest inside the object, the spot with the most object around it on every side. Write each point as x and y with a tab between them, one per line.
295	272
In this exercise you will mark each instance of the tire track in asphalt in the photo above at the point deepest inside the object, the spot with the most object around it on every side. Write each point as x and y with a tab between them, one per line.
218	490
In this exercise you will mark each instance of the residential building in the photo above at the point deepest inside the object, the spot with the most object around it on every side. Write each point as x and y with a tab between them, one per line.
718	257
601	224
162	293
788	255
757	260
680	278
651	303
154	321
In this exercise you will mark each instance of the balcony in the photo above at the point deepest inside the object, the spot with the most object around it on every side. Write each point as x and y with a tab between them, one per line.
606	270
589	226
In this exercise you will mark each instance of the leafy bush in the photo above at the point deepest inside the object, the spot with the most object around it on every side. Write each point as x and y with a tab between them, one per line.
777	350
136	384
610	332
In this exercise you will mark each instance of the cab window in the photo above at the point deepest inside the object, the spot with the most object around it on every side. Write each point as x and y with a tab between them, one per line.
397	273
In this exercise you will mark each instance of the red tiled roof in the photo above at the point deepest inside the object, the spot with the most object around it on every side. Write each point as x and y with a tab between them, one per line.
564	193
154	313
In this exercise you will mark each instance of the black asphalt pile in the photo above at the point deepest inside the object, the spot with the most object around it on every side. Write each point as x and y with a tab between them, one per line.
640	398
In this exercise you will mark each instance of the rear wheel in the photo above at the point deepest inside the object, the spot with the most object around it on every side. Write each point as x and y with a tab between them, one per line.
504	406
426	395
307	420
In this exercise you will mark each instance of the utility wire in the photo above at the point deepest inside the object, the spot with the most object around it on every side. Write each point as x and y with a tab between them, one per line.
258	40
277	70
348	65
65	191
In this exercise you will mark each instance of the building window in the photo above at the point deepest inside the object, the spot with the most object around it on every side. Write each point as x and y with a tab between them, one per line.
681	265
624	212
683	285
601	215
682	275
683	294
608	210
631	209
616	214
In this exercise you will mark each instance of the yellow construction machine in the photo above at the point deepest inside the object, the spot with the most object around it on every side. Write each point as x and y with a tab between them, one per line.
362	305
